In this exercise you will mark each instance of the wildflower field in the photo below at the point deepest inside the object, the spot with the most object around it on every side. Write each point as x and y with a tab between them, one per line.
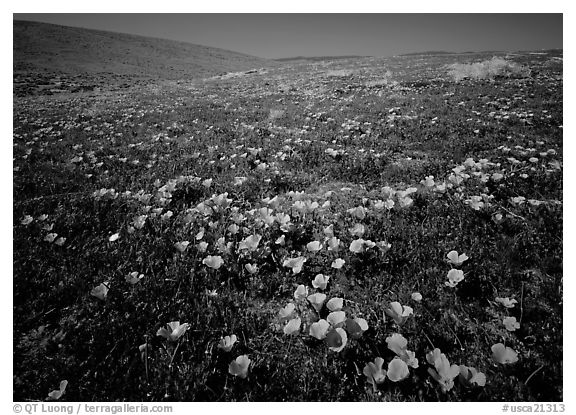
363	229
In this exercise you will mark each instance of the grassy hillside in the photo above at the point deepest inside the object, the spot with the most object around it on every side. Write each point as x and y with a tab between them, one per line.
54	48
354	230
318	58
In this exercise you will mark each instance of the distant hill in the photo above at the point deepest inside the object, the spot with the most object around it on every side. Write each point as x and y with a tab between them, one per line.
430	53
318	58
43	47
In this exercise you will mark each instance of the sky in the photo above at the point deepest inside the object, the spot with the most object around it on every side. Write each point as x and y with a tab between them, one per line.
282	35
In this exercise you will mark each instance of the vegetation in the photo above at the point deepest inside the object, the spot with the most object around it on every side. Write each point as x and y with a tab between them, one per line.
363	229
487	69
85	51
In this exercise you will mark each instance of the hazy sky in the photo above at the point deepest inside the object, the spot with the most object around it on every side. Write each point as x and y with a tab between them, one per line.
286	35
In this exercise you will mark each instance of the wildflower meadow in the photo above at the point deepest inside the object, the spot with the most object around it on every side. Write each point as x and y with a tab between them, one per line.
362	229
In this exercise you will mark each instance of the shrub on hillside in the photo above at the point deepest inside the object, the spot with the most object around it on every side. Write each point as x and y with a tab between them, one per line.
488	69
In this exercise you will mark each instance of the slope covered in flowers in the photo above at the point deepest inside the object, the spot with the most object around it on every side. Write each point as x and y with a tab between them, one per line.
363	229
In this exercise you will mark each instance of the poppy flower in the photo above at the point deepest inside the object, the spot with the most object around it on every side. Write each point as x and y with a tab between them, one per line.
274	202
362	323
305	206
398	312
428	181
384	246
534	202
226	343
503	355
319	329
204	209
266	216
250	243
475	202
57	394
27	220
202	246
397	370
364	245
335	304
443	372
454	277
233	229
167	215
239	180
134	278
358	230
518	200
469	162
287	311
317	301
114	237
314	246
60	241
207	183
511	324
100	291
497	218
284	221
374	373
359	212
181	246
293	326
337	339
336	318
176	330
281	240
239	367
416	296
440	187
320	281
333	243
222	246
471	377
50	237
356	327
338	263
301	292
295	263
497	176
378	204
456	179
506	302
397	343
357	246
139	221
251	268
405	201
456	259
213	262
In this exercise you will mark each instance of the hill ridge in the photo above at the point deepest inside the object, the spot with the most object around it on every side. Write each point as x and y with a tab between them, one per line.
46	47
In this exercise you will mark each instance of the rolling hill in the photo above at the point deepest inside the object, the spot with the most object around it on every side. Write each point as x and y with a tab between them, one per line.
318	58
43	47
